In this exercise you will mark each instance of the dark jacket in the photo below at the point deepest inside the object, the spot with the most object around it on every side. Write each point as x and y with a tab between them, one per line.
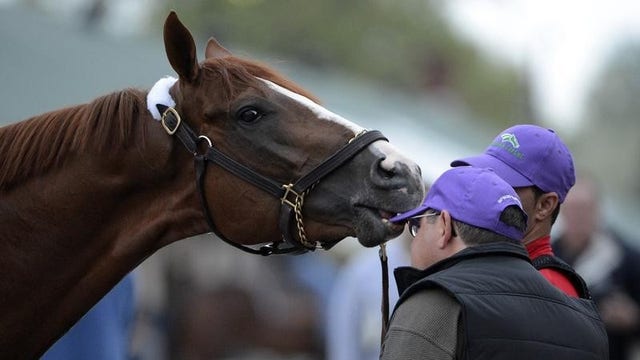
508	310
554	262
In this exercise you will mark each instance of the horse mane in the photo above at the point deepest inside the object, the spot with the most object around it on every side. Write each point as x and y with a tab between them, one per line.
43	142
237	73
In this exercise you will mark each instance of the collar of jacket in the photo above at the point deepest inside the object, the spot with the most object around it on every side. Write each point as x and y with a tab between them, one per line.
407	276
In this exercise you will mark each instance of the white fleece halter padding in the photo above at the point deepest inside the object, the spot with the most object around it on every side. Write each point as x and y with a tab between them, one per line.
159	94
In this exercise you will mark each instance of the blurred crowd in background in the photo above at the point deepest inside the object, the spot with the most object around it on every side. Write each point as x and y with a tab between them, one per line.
202	299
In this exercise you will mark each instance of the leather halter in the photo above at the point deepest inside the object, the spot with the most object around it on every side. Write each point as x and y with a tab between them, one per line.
291	195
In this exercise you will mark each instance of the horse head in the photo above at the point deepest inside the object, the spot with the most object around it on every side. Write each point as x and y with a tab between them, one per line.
248	113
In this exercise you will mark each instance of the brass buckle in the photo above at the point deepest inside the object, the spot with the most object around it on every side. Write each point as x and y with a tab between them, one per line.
288	189
357	135
178	120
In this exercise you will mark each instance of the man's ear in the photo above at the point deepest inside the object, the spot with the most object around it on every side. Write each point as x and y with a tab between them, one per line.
444	223
546	204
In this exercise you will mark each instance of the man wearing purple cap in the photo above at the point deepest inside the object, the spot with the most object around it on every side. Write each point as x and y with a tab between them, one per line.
471	292
539	166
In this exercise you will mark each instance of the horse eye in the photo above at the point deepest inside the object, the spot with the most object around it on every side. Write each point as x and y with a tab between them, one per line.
249	114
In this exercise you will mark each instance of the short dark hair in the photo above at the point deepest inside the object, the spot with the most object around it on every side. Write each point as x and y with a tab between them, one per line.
473	235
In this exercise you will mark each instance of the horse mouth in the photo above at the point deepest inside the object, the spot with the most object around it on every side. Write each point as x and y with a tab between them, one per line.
373	227
385	216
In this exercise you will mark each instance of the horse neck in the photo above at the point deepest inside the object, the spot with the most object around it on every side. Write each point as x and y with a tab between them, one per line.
107	148
73	230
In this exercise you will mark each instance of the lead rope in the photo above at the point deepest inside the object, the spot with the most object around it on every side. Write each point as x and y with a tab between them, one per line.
385	291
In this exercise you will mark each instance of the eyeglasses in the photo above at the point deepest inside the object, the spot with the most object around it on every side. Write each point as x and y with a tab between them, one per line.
414	222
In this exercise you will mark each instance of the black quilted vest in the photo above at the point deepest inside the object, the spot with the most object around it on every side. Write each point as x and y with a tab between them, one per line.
509	311
554	262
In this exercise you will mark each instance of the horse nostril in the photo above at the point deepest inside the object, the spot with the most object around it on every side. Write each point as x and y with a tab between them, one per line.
387	173
387	169
395	174
393	171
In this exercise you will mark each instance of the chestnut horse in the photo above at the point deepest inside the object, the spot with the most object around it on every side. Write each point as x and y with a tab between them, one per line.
88	192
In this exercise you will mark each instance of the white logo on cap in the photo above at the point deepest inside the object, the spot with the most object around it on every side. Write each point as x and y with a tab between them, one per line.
511	139
508	196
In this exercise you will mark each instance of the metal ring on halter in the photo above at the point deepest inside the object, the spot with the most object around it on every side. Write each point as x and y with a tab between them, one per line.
207	139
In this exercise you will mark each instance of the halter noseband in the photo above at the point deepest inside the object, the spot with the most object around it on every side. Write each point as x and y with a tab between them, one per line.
291	195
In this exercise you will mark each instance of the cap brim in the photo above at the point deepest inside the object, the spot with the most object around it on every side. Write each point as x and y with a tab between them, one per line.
405	215
506	172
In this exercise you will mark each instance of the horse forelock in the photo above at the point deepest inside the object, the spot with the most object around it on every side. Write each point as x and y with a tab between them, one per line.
43	142
237	73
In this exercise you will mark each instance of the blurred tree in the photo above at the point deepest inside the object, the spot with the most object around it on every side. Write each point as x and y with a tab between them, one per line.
609	140
405	45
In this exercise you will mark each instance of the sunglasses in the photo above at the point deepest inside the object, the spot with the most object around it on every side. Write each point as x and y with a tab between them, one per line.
414	222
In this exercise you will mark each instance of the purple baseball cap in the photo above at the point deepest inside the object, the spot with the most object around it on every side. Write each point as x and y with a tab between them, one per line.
472	195
526	155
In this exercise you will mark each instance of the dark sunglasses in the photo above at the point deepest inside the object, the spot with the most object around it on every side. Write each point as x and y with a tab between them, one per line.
414	222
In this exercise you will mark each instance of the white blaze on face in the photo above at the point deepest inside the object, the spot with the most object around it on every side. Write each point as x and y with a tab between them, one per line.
318	110
390	154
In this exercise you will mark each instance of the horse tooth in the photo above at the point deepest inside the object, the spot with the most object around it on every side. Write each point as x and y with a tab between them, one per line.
385	214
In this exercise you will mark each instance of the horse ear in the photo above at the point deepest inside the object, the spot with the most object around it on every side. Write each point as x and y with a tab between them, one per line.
215	50
180	48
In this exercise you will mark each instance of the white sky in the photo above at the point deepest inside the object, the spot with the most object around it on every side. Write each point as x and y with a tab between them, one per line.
561	43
